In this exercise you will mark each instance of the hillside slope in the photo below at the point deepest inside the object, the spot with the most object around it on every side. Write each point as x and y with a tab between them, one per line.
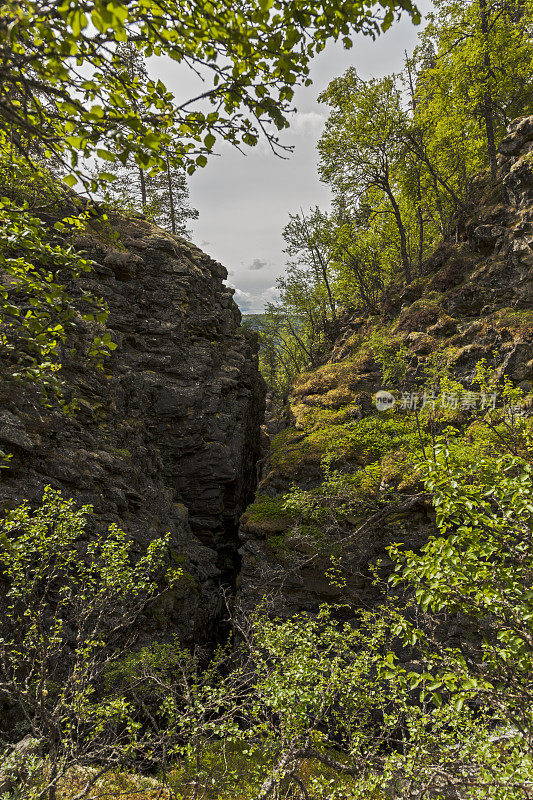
473	302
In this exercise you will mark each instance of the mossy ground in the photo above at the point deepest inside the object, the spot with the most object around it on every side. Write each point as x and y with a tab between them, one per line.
520	321
228	772
378	453
269	511
117	785
344	376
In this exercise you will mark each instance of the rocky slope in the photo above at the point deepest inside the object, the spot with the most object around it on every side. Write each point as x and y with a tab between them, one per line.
165	435
473	301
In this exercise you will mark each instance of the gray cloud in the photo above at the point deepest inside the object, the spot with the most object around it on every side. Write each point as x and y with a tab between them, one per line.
308	122
244	300
258	263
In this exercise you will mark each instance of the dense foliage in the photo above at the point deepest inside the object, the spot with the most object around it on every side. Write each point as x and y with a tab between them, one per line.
313	706
400	154
64	84
66	615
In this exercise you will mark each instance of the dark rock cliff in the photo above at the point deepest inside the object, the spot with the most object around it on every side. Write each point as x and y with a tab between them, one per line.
165	435
473	301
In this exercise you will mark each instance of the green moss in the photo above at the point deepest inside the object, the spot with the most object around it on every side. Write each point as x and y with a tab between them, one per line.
515	320
311	531
361	441
336	398
270	510
278	544
419	316
311	417
285	530
121	452
369	439
300	537
235	771
290	451
344	375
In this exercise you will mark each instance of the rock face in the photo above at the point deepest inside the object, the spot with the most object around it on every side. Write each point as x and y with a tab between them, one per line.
166	433
472	301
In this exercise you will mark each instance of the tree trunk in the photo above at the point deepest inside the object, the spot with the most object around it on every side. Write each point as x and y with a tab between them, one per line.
419	150
406	264
52	778
411	82
171	200
488	101
324	271
420	217
438	204
303	348
143	188
321	267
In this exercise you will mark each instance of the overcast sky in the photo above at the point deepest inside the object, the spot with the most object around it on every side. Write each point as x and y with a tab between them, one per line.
245	201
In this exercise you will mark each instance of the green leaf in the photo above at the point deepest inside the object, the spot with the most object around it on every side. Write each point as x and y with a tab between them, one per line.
105	155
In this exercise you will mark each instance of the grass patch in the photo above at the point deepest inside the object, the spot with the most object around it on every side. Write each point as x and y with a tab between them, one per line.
310	417
269	512
113	786
290	452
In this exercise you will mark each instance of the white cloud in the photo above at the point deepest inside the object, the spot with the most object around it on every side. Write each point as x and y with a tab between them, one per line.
245	301
250	303
244	202
241	296
270	295
307	122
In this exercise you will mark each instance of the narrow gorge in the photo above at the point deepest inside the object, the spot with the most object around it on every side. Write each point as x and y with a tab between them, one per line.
166	434
266	515
471	304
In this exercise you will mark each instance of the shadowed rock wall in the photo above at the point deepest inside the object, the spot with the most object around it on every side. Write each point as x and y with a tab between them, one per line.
166	433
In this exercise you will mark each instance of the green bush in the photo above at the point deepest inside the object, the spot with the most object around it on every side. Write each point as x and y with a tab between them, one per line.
72	600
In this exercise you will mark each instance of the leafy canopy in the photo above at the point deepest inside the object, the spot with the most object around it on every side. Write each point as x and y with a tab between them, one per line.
64	85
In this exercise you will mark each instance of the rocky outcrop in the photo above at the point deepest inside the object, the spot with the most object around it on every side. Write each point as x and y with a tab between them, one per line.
164	435
472	301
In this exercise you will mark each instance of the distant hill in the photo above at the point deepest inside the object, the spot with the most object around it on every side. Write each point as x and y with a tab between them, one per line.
254	321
